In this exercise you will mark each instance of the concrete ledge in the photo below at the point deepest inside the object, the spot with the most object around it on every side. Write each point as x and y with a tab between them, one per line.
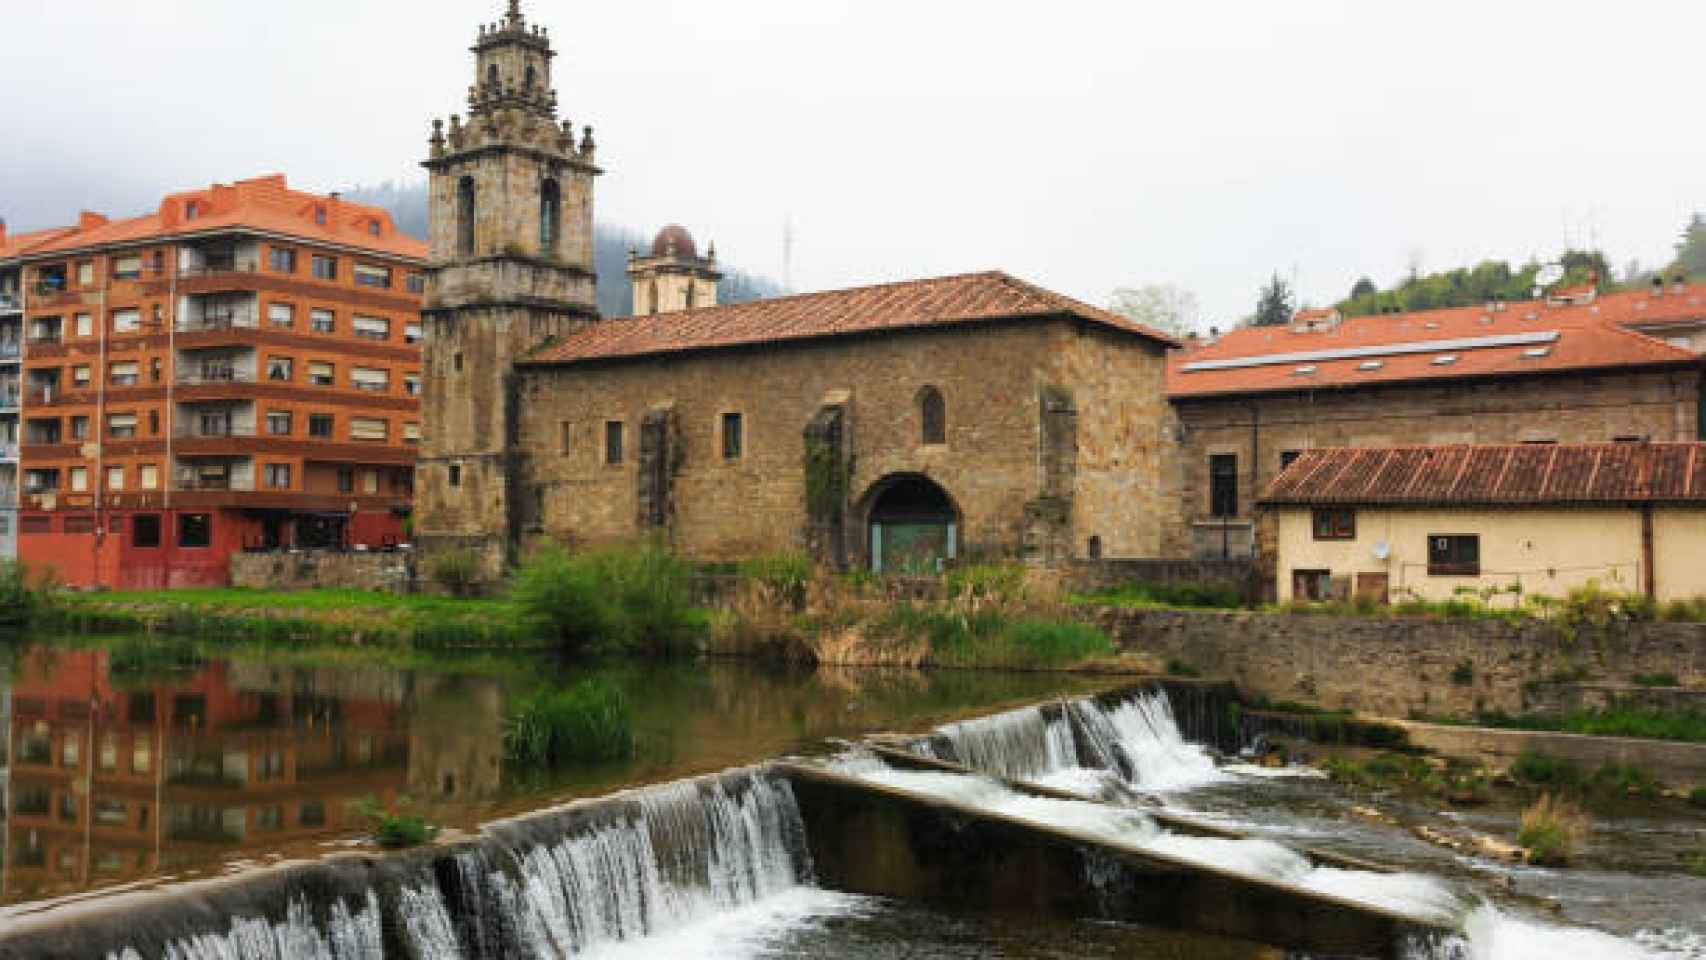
1675	763
870	839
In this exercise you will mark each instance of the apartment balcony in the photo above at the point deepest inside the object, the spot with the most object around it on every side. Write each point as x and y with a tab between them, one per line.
9	454
11	301
47	296
211	429
219	322
11	351
45	339
204	374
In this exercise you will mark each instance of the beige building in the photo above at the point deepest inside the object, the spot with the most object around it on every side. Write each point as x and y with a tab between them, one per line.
1430	523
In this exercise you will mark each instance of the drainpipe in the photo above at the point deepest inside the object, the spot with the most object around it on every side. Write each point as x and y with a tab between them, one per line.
98	483
1649	577
1255	469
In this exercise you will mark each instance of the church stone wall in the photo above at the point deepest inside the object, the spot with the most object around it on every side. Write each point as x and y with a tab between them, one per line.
992	378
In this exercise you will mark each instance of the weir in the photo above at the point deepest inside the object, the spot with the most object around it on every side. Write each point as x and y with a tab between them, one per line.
572	879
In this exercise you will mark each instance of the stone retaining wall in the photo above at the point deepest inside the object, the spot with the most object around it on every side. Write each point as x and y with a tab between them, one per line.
311	569
1239	575
1404	667
1681	765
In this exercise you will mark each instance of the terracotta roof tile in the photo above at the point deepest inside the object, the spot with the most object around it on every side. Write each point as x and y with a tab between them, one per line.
265	204
941	301
18	244
1589	336
1493	475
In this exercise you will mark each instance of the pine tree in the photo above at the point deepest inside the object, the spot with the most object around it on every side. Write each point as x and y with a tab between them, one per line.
1276	305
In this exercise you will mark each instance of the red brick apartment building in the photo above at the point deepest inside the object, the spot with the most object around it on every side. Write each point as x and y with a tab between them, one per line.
239	369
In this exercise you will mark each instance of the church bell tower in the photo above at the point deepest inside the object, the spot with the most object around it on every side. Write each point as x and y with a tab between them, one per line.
511	268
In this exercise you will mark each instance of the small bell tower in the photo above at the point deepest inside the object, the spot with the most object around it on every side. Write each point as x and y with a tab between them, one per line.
673	276
510	228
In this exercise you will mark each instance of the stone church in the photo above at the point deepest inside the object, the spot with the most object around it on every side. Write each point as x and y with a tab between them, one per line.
895	427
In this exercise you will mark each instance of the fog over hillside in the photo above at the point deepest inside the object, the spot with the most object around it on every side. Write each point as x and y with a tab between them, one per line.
610	246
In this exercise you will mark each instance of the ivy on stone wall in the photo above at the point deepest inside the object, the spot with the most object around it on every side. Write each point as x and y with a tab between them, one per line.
826	479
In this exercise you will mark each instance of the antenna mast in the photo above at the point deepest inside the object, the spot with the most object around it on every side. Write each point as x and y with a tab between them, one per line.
788	254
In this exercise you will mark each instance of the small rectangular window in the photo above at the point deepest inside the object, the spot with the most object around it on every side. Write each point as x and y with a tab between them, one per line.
80	376
411	432
346	479
613	442
121	426
321	374
85	325
79	428
322	321
455	473
127	321
368	428
79	479
85	273
320	425
281	260
366	276
1335	524
731	436
371	328
278	475
148	477
565	437
1223	485
416	283
145	530
278	423
324	268
280	369
127	267
126	373
370	482
195	530
412	333
115	478
370	379
281	314
1454	555
412	384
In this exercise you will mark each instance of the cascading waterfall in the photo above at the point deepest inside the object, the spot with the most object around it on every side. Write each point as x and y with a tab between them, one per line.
1140	739
1018	744
558	884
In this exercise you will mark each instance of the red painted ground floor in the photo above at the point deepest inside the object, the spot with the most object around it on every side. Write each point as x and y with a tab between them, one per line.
188	547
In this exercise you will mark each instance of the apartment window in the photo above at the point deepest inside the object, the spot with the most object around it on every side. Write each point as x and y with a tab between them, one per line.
145	530
281	260
324	268
79	479
731	436
322	321
195	530
367	428
613	442
371	328
115	478
80	376
154	369
80	524
321	374
416	283
126	373
1288	457
366	276
1454	555
411	432
346	479
148	477
121	426
1312	586
1223	485
281	314
278	423
370	482
1336	524
411	333
127	268
86	273
455	474
412	384
127	321
79	428
85	325
154	423
320	425
278	475
371	379
279	368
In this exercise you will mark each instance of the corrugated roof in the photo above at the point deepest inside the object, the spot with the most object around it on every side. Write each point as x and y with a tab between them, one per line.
265	204
913	304
1589	336
1491	475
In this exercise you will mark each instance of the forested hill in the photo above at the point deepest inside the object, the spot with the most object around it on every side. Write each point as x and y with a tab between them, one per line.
610	245
1466	286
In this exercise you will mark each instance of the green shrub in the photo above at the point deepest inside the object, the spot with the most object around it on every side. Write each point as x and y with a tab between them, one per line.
395	830
1625	778
633	599
456	570
1181	668
1464	673
589	722
996	581
785	573
1697	797
1552	831
1049	642
1656	680
1540	769
1143	594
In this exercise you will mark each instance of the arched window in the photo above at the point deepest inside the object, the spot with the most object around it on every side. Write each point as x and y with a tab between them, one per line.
530	76
688	302
652	297
550	216
492	74
933	416
465	216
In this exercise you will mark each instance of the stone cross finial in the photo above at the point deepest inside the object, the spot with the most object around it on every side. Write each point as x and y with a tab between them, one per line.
587	146
515	12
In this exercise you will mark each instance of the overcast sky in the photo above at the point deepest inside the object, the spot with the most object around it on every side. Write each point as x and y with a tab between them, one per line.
1082	145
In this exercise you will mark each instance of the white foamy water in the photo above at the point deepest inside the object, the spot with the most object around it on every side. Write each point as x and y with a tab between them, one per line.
345	934
1145	731
752	930
1492	934
1018	744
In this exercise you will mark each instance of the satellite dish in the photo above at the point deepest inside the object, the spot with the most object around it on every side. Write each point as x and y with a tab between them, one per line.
1549	274
1382	550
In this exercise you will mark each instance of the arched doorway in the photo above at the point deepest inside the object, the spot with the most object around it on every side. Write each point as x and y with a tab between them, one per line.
912	525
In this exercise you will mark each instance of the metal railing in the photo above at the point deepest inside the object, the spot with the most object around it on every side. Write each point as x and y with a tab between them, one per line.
41	393
212	430
197	481
212	374
11	350
213	323
41	338
11	300
214	268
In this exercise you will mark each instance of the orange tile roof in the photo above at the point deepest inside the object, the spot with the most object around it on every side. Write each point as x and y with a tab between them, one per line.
14	245
1491	475
1589	336
913	304
265	204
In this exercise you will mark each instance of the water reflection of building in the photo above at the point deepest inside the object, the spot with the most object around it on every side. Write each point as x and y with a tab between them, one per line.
112	782
456	738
